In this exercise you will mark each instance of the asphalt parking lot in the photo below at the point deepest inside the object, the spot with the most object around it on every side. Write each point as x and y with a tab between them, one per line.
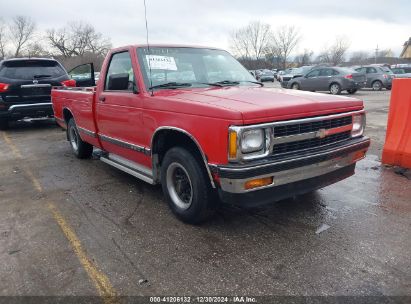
80	227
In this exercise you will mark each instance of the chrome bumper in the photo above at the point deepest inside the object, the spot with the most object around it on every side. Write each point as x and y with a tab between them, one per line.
233	178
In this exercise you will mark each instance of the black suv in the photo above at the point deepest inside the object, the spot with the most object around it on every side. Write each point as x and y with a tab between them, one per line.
25	87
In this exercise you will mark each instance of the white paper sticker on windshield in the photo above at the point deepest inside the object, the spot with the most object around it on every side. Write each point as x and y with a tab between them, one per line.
162	62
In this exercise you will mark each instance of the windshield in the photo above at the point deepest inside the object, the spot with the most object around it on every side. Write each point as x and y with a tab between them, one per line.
31	69
195	67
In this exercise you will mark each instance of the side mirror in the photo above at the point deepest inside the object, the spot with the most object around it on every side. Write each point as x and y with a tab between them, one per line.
118	82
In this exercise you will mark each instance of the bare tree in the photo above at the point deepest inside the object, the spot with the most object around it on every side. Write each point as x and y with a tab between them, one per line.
77	39
304	58
3	39
335	54
36	49
22	30
251	42
286	38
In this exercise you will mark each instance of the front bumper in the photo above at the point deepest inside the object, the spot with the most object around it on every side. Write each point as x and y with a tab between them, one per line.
32	110
291	176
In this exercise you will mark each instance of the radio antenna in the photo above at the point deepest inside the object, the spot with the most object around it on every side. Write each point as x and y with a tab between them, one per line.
148	47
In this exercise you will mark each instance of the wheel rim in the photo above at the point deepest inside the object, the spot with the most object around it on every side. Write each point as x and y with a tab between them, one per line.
376	86
73	138
334	89
295	86
179	186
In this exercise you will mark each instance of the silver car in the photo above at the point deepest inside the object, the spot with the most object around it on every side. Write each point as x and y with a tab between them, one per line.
333	79
378	77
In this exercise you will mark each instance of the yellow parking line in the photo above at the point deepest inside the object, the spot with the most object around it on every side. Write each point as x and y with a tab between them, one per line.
99	279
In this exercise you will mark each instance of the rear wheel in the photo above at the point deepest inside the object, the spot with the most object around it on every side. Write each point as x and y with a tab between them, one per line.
377	85
4	124
186	186
335	89
80	148
352	91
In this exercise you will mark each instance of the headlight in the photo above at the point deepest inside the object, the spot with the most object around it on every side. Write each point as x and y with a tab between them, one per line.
252	141
358	125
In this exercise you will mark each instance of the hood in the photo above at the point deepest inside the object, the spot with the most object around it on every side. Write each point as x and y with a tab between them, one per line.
264	104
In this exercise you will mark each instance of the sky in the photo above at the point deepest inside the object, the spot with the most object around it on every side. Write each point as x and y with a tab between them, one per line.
366	23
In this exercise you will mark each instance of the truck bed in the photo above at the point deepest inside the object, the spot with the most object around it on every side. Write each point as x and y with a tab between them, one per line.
80	101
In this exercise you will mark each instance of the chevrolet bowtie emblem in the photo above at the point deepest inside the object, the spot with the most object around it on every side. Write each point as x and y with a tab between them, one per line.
321	133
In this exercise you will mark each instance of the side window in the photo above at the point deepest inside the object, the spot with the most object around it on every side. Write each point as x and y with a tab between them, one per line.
83	75
361	70
120	75
371	70
326	72
314	73
335	72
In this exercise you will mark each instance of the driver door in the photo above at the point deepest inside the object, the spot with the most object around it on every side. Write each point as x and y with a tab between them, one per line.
310	81
83	75
119	109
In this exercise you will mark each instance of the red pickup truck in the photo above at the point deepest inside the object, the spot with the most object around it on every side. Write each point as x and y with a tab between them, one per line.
196	121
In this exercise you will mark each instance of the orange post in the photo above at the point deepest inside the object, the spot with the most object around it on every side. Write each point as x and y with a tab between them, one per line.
397	147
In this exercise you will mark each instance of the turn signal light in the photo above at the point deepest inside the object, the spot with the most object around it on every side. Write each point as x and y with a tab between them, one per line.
69	83
4	87
232	145
358	156
259	182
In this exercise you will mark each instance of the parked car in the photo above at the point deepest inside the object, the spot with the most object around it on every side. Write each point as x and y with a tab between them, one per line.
378	77
201	140
333	79
25	88
402	72
294	73
266	75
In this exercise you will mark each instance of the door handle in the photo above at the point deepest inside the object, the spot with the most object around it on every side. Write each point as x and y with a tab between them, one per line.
102	98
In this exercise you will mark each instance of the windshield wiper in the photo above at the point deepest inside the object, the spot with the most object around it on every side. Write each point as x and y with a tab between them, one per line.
171	85
230	83
41	76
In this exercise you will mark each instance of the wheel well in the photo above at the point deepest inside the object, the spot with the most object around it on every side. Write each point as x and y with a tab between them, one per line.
67	115
334	82
166	139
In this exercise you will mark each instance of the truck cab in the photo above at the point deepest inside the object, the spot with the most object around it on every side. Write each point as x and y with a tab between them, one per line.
194	120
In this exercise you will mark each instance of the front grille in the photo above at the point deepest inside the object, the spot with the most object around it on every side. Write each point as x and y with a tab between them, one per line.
310	143
294	129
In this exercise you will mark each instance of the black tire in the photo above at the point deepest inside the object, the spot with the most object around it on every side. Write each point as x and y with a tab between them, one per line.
4	124
388	88
186	186
376	85
295	86
353	91
335	89
80	148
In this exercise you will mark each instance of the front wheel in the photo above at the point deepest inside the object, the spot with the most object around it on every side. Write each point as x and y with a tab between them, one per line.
295	86
335	89
80	148
186	186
